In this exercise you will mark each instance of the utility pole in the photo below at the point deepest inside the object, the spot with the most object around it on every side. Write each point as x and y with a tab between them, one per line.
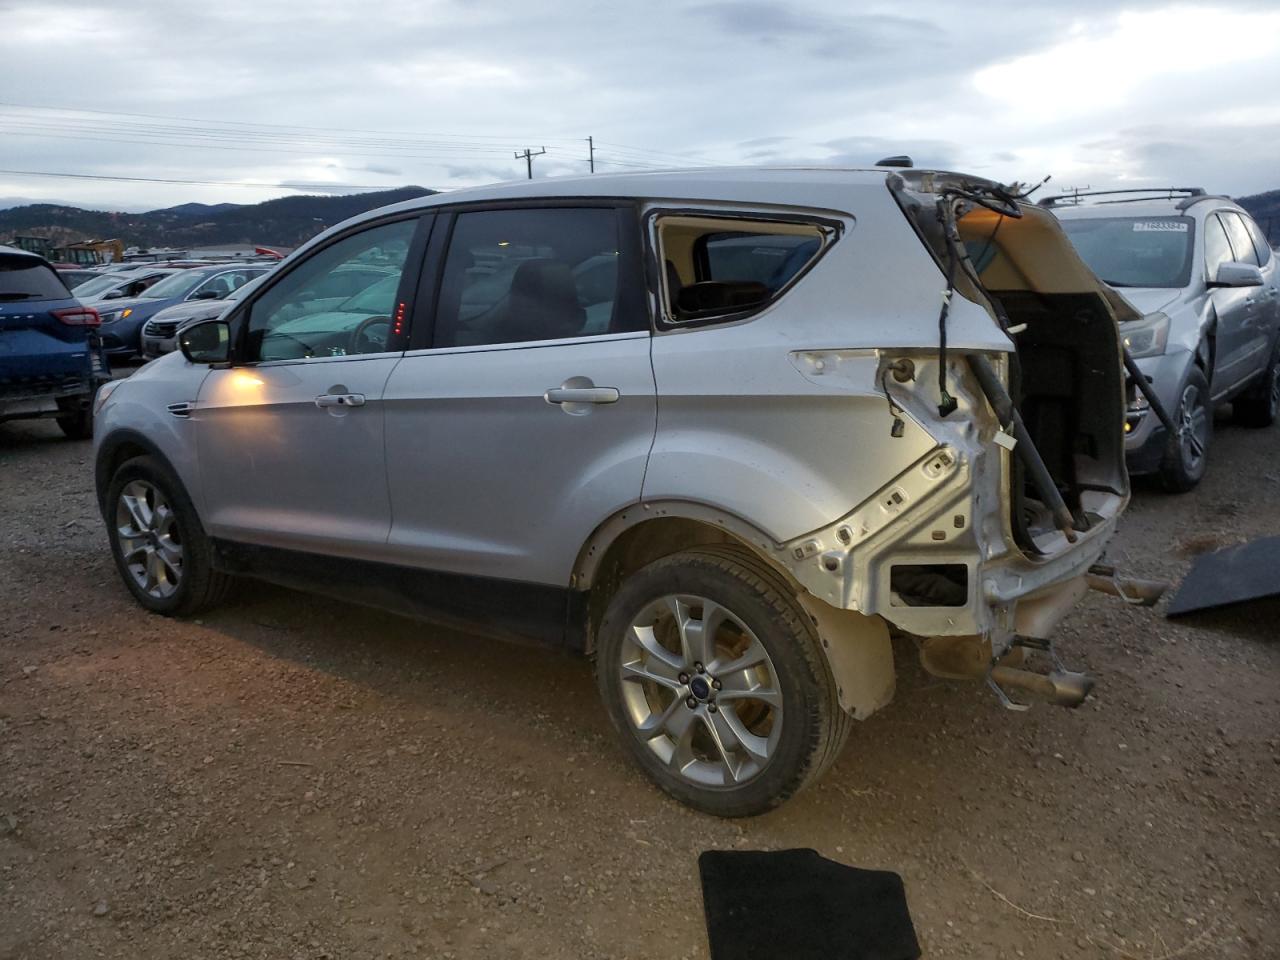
528	156
591	153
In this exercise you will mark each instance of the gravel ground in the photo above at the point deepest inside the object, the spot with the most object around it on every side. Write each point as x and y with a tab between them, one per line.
293	777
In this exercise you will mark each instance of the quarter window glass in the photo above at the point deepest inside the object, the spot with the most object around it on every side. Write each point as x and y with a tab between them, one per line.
1260	245
512	276
717	267
1217	250
337	303
1241	242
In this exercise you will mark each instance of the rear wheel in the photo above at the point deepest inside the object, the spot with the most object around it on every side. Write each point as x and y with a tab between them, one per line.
160	548
75	418
715	679
1259	406
1187	453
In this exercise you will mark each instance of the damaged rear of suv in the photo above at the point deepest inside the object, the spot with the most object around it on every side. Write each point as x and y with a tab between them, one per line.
720	430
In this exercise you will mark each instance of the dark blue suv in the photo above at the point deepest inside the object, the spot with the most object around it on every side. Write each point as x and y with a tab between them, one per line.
51	361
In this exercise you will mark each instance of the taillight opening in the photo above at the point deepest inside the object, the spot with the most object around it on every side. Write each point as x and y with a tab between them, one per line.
79	316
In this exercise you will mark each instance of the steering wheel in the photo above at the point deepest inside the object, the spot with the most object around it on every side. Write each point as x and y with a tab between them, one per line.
367	338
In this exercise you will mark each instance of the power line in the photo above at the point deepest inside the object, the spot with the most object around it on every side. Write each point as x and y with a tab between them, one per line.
277	126
212	183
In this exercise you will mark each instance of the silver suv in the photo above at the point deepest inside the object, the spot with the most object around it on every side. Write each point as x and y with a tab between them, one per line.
723	431
1208	285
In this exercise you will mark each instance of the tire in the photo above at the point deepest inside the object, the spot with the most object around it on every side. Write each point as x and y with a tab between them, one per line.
1183	467
168	563
1259	406
76	421
783	747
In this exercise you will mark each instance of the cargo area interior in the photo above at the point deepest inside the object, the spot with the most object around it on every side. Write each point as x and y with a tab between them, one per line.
1067	378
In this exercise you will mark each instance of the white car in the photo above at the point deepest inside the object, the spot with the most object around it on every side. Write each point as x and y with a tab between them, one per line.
708	428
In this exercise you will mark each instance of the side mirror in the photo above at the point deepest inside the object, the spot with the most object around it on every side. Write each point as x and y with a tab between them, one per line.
206	295
1233	274
206	342
114	295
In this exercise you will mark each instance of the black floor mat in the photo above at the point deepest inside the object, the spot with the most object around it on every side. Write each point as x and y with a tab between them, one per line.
796	905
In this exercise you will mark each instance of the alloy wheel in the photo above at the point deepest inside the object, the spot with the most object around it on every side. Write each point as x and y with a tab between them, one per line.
149	540
1193	428
700	691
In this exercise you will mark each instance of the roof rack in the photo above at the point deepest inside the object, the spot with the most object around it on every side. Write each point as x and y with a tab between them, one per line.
1169	192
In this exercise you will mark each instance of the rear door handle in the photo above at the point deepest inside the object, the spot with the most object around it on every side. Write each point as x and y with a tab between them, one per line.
582	395
340	400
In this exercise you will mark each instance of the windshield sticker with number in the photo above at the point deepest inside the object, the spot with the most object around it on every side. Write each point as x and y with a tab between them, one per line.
1163	226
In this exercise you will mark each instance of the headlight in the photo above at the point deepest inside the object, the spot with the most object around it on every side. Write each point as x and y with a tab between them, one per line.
111	316
104	393
1146	337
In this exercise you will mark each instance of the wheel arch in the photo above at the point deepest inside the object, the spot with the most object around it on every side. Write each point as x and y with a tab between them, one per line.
119	447
642	533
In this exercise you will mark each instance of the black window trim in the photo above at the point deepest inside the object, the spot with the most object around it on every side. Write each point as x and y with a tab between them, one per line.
405	292
832	231
630	247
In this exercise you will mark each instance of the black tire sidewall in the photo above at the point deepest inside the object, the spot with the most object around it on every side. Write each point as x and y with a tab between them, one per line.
194	542
1174	474
801	688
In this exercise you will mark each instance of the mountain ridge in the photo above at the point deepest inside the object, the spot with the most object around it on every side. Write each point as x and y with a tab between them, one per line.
283	221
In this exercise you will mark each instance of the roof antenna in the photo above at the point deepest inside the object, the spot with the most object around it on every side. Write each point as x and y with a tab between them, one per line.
902	160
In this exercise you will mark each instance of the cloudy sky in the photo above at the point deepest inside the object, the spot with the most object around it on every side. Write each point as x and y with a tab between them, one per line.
259	98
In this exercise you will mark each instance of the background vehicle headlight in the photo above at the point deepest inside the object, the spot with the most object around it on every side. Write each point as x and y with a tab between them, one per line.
1146	337
111	316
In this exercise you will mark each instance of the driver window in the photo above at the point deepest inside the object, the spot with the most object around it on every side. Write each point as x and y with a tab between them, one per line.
337	303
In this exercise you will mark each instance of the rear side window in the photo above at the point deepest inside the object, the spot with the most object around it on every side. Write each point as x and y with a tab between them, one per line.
1217	250
523	275
22	278
717	268
1241	242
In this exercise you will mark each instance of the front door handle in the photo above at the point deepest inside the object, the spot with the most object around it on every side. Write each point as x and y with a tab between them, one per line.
582	395
340	400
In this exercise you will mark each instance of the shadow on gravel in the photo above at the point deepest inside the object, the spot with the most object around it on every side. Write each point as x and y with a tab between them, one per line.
1253	620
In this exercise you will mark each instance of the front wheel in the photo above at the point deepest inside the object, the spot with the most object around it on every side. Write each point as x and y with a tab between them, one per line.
1188	449
715	679
159	546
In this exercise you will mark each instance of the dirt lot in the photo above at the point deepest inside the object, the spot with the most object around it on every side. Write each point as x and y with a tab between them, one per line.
293	777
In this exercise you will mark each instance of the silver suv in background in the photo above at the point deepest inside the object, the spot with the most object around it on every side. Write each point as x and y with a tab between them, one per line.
1207	283
708	428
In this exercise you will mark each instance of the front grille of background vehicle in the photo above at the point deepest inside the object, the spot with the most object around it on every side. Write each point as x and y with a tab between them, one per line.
161	329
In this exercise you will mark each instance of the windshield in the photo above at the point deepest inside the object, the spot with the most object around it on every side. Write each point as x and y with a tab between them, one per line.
91	288
178	285
1135	251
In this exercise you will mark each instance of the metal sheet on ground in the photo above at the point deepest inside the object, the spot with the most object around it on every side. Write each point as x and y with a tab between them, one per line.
1249	571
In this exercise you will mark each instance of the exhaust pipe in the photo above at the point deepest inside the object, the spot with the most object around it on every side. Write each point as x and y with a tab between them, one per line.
1065	688
1140	593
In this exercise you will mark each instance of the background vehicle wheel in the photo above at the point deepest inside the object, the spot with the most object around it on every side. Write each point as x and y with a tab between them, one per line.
1188	450
715	679
75	418
157	541
1260	404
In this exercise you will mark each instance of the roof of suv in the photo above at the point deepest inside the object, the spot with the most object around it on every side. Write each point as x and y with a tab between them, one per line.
705	183
1160	206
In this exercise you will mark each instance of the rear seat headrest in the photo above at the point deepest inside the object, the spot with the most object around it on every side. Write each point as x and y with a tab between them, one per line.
721	295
